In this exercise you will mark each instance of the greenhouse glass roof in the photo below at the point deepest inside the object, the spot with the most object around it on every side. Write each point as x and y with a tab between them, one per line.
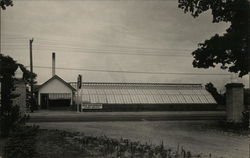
144	93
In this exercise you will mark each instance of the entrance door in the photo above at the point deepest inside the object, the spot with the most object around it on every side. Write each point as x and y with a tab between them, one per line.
44	101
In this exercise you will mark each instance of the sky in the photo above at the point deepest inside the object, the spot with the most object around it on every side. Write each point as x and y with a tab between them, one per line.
111	40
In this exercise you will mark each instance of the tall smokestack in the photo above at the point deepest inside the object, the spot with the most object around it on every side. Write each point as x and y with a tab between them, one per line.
53	64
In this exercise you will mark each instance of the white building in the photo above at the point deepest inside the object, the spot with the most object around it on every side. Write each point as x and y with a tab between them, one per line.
55	93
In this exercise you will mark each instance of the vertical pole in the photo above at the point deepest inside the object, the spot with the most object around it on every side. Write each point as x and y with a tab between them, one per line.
248	61
0	30
248	40
248	45
77	94
79	85
249	79
77	100
31	70
0	53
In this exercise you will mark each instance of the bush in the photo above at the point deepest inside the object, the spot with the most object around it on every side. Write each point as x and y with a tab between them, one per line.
12	120
22	143
245	119
235	127
10	116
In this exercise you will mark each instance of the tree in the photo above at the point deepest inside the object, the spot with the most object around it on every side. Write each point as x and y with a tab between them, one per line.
29	78
5	3
231	49
10	116
220	99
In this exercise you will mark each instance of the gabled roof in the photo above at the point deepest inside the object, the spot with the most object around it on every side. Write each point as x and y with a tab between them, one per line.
58	78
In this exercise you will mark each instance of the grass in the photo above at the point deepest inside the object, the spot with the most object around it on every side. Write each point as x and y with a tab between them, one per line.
58	144
61	144
237	128
42	143
2	144
230	127
21	143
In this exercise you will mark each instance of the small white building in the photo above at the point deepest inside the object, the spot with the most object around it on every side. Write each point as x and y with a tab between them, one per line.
55	93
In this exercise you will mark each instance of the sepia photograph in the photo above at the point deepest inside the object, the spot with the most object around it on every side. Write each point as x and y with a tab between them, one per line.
124	78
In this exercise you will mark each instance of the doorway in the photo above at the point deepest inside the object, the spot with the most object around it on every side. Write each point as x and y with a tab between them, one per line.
44	101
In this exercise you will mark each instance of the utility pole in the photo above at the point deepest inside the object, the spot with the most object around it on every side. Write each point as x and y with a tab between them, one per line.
31	84
0	31
249	61
248	56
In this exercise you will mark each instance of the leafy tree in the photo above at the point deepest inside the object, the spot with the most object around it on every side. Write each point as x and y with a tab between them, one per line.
10	116
5	3
230	49
28	77
220	99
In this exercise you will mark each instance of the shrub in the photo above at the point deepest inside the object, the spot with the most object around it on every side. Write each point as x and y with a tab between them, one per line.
10	116
22	143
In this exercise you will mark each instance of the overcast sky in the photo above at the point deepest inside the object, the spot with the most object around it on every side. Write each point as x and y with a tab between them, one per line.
117	35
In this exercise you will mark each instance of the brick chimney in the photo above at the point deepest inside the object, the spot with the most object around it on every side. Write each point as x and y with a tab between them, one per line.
53	64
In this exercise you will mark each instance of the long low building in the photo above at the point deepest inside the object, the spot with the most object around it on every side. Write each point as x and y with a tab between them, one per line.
143	96
56	93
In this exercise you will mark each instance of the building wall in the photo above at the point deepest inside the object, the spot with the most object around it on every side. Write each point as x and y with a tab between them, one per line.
21	99
155	107
54	86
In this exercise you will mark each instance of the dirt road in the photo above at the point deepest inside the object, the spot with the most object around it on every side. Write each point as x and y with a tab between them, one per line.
191	135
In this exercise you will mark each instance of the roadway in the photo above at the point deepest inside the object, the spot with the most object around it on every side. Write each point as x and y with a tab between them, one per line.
72	116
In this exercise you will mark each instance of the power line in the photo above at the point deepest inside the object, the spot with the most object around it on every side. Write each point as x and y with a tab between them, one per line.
101	0
108	45
129	47
106	53
90	51
137	72
81	47
116	48
119	50
14	38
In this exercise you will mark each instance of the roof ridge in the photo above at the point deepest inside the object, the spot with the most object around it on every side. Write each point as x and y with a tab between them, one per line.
140	83
58	78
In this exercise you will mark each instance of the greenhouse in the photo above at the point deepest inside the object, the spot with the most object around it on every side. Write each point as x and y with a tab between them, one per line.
144	96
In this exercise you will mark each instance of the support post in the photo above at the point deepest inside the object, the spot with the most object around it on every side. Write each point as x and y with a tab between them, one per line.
235	102
79	85
0	30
